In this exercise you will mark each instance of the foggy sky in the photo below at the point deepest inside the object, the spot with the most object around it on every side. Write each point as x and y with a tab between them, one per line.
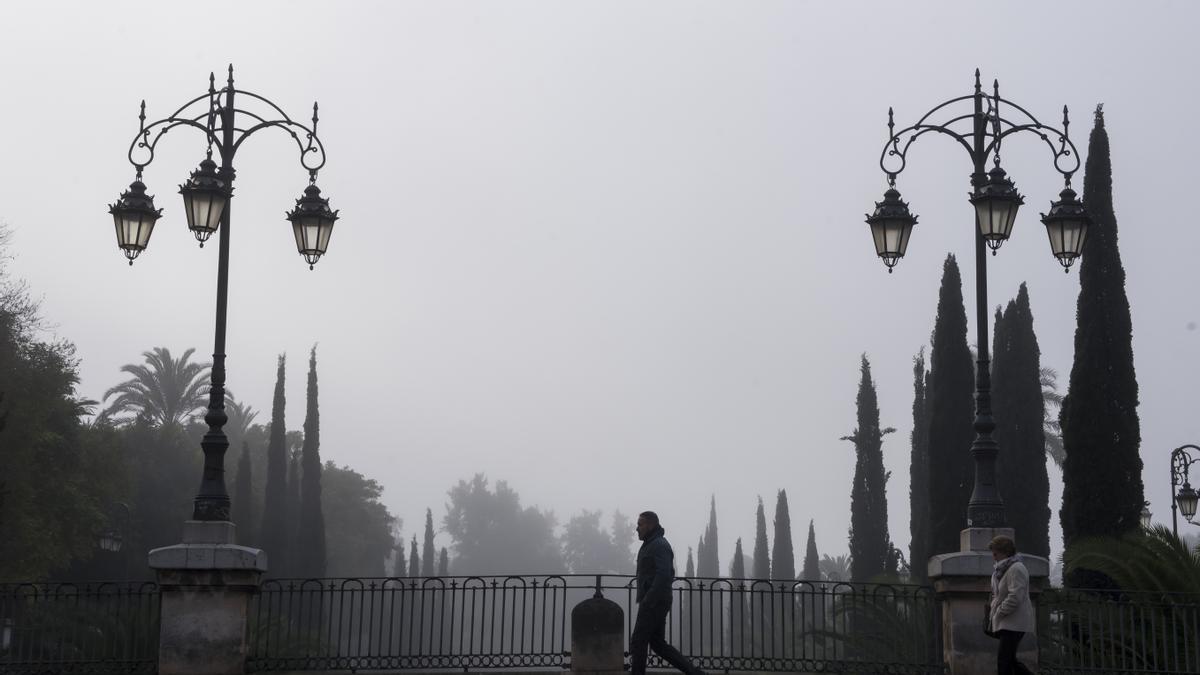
610	252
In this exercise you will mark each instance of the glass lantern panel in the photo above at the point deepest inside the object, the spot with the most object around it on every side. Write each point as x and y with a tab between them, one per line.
326	231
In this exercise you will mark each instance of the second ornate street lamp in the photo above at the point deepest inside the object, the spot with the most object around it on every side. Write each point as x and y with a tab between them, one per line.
996	201
206	197
1184	501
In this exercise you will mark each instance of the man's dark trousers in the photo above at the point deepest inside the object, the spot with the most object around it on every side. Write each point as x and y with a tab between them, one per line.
650	630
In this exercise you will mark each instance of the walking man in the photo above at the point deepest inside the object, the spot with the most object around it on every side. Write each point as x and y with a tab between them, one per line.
655	573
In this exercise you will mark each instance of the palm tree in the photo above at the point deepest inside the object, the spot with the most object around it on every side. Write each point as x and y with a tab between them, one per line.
1051	403
1152	559
835	569
241	418
164	390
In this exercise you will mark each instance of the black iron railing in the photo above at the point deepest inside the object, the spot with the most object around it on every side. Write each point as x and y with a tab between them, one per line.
1118	632
524	622
79	627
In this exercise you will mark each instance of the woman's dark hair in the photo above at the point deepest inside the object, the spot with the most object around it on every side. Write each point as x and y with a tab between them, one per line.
1003	544
650	516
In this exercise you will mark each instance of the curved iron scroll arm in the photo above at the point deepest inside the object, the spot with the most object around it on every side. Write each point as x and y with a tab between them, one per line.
894	157
1181	463
209	122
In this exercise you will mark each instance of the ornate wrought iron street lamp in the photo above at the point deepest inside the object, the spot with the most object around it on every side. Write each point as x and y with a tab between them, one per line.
206	199
1184	501
996	201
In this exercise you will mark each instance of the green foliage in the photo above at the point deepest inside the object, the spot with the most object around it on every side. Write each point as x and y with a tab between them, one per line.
1019	410
243	494
428	552
165	390
1141	560
56	484
812	561
737	566
762	559
918	471
1102	473
708	563
589	549
492	534
359	527
783	556
950	394
310	522
869	540
274	535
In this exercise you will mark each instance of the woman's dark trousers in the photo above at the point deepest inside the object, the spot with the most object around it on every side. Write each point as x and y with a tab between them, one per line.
650	630
1006	659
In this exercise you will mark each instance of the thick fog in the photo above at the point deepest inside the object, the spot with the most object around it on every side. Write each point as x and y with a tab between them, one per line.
612	253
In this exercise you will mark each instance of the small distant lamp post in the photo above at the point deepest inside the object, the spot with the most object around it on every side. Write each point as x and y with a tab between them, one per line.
996	202
206	205
1184	501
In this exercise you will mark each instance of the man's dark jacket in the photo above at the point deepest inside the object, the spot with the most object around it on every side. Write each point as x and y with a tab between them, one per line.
655	570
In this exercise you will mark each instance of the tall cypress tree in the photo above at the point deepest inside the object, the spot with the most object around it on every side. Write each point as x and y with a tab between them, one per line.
951	416
444	563
414	560
699	548
691	565
1102	474
812	561
707	560
762	559
428	553
273	537
918	472
737	566
869	540
243	497
1020	430
783	556
310	535
291	566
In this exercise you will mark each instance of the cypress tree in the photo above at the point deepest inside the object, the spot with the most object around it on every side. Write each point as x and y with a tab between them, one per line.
737	567
1102	473
707	561
428	553
700	548
414	560
275	507
951	416
869	541
444	563
918	472
1018	410
399	569
812	561
310	534
292	565
783	556
691	565
243	496
762	560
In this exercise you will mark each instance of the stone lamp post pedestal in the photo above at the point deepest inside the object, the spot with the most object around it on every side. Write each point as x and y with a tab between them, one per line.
962	581
206	583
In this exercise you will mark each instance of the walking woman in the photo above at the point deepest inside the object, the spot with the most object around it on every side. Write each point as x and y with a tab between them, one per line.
1011	610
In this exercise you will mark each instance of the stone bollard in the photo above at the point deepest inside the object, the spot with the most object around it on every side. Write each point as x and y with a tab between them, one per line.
205	584
962	582
598	637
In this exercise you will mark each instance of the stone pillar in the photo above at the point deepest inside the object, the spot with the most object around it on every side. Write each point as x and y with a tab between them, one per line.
962	582
206	583
598	637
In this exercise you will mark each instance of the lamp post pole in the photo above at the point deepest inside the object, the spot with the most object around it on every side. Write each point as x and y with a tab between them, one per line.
1186	497
207	196
996	201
